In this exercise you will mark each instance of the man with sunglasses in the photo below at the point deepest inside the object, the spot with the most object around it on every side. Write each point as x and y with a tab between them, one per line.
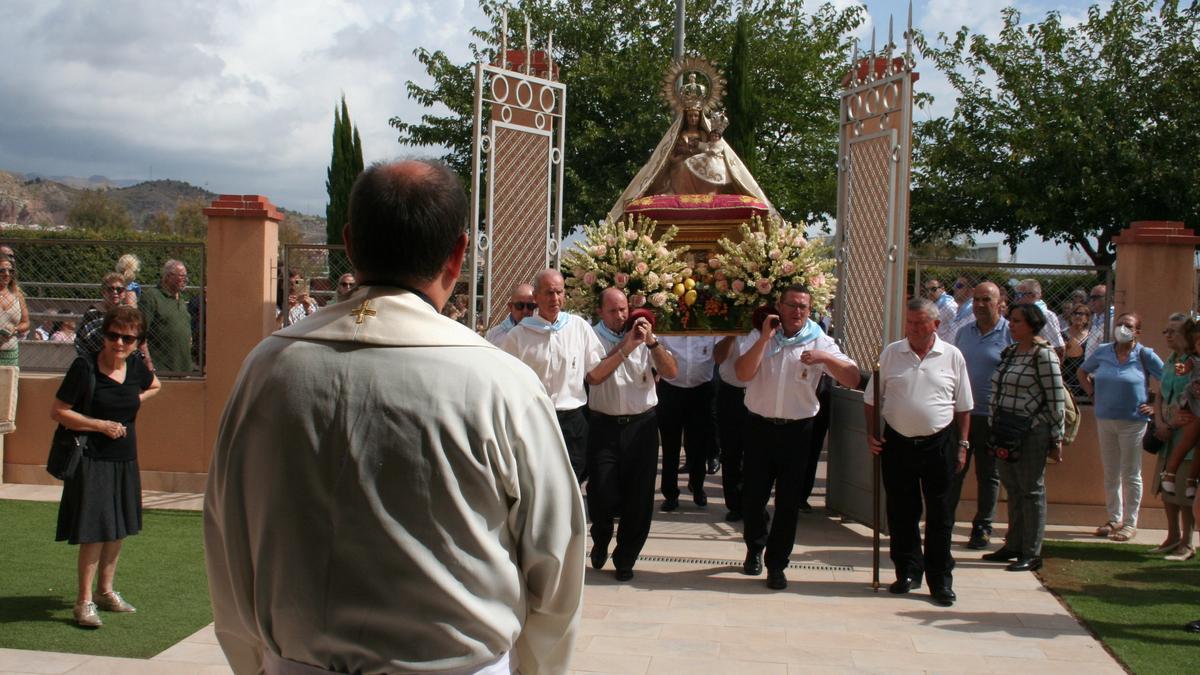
781	363
963	287
1029	292
946	306
421	514
520	305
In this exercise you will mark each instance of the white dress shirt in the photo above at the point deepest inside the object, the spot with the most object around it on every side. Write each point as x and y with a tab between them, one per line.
630	390
694	356
497	333
947	311
920	396
783	387
727	370
560	359
1052	332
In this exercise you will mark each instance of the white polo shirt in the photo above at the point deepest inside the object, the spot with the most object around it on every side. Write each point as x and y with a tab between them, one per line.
920	396
726	371
560	359
694	356
783	387
630	390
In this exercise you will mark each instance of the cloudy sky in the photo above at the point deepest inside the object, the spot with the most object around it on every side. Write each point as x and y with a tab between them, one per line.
238	95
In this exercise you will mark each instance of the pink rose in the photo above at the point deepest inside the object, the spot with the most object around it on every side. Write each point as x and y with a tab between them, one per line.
577	272
738	286
630	235
620	279
722	285
658	299
788	267
799	241
589	278
637	300
641	268
627	255
720	276
763	286
774	254
761	236
817	281
610	240
752	267
686	273
647	240
714	263
652	280
599	250
668	279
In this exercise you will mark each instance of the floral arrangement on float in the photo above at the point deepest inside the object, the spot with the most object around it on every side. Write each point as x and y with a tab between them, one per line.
715	295
772	255
624	253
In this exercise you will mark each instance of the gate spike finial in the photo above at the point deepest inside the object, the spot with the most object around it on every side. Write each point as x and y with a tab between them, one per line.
504	38
854	63
528	48
550	56
908	34
872	41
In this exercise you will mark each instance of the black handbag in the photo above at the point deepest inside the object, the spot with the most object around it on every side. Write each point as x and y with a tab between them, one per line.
1151	443
1008	431
66	447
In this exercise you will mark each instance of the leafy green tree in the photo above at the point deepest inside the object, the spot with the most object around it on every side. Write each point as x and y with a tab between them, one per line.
612	55
189	220
1066	132
94	210
344	166
743	112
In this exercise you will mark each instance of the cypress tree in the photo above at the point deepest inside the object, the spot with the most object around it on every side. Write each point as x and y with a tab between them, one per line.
344	166
740	100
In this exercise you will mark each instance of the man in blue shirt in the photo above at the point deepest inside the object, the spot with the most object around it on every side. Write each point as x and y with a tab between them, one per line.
981	342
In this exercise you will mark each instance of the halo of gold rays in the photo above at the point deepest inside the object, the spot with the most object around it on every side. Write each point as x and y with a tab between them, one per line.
679	69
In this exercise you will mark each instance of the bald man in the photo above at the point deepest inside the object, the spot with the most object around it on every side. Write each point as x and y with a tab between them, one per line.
520	305
564	352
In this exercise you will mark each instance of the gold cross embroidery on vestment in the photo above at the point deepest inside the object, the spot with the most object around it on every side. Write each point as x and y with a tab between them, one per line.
362	311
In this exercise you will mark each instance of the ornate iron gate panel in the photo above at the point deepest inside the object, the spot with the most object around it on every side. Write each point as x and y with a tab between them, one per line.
518	152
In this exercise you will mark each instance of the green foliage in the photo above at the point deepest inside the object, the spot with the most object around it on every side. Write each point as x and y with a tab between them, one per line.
740	101
344	166
94	210
1069	133
612	55
161	572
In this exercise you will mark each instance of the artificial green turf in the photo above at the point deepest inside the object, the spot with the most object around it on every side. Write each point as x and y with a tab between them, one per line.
161	572
1135	602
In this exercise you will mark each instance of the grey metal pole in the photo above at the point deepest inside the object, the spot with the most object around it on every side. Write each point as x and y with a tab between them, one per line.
680	5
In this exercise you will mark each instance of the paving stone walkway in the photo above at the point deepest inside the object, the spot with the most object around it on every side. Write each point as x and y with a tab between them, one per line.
689	610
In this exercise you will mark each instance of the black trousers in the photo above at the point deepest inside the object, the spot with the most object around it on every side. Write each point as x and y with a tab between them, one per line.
820	429
574	426
731	429
681	409
987	477
775	455
622	462
912	468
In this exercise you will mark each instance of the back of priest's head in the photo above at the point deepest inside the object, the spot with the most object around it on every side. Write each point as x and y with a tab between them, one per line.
405	219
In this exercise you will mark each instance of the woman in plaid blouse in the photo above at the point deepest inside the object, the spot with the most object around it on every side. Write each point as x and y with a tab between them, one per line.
1027	386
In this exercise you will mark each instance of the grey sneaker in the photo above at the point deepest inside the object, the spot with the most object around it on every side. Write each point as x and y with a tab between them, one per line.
86	616
113	602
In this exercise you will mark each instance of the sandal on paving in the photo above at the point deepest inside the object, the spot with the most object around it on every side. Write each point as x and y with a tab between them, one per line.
1107	528
1190	492
1166	481
1182	553
1166	547
1126	533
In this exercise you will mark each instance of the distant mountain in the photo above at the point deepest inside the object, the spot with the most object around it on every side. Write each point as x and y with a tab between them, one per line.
30	199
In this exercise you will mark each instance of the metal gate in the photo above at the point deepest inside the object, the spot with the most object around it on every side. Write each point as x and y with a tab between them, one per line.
517	172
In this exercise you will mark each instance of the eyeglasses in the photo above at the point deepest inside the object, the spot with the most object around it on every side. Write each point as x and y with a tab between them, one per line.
1021	294
115	289
346	284
799	307
530	306
5	270
930	289
959	284
1095	297
120	337
1080	314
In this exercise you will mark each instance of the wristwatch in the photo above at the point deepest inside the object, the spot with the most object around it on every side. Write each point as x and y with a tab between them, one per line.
656	345
965	444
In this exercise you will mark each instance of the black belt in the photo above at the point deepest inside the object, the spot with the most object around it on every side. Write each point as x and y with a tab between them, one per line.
622	419
918	439
780	421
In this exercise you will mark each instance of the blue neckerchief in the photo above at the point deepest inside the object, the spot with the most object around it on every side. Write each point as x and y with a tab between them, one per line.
538	323
963	310
507	324
943	299
807	333
608	334
1042	306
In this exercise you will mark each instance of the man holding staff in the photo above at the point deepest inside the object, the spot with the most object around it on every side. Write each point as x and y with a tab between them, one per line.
926	412
781	363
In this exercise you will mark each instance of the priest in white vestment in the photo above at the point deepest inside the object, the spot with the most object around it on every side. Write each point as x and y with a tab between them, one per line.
389	492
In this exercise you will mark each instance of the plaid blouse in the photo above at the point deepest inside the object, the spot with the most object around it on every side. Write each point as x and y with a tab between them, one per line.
1031	385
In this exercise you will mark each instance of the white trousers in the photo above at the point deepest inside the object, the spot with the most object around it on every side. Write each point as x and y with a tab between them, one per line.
1121	455
274	664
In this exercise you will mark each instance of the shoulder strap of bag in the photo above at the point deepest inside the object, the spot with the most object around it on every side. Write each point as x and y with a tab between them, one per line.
89	385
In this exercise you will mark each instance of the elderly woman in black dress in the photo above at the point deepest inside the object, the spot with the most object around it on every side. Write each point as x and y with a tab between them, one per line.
102	503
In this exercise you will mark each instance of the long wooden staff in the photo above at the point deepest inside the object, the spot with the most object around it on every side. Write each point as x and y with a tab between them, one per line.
875	466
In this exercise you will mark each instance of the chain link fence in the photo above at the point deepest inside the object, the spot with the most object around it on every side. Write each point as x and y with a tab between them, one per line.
62	279
1079	298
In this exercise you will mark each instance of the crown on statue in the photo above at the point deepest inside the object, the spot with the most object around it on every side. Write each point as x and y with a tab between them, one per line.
692	83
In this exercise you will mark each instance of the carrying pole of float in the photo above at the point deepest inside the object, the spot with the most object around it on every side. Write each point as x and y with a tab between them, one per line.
680	6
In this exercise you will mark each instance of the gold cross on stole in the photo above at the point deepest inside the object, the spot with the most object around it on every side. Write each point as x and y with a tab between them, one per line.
362	311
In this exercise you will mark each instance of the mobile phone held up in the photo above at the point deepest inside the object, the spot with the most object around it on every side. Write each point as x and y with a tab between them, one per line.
775	322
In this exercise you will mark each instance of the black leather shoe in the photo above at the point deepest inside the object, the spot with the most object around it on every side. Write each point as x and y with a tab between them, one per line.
753	565
733	516
1026	565
1001	555
979	538
776	581
904	585
714	465
805	507
670	504
599	557
700	497
624	574
943	596
1193	627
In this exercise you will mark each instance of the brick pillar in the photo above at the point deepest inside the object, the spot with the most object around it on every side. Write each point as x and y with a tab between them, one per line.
1155	275
241	257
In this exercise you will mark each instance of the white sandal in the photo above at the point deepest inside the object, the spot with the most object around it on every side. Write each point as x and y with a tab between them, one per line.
1182	552
1167	484
1190	491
